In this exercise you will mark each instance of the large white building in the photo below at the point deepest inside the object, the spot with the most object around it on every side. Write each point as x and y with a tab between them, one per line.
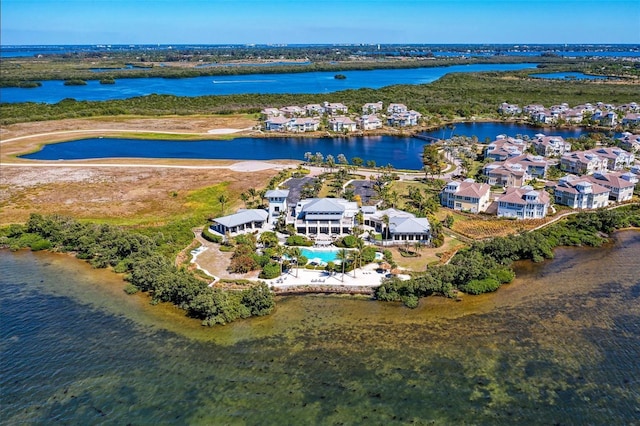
329	216
523	203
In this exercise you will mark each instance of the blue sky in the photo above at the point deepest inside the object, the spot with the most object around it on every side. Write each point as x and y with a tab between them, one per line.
326	21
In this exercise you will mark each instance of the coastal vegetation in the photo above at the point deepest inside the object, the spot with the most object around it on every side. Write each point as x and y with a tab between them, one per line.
485	265
462	95
145	267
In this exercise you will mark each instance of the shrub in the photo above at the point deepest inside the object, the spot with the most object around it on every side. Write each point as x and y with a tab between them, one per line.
480	286
131	289
299	240
40	245
209	236
271	270
75	82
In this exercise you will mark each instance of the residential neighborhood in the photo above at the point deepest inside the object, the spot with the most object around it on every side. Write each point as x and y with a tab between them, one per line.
335	117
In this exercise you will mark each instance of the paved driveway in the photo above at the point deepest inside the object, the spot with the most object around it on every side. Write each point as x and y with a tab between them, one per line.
364	188
295	188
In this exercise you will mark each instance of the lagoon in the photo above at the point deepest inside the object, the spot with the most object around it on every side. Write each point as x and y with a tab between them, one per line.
400	152
309	82
571	76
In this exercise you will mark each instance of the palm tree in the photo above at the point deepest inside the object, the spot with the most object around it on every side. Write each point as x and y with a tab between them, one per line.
343	256
245	198
279	251
223	199
385	231
252	193
295	252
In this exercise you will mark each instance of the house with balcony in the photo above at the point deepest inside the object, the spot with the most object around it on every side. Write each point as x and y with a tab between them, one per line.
372	108
397	108
342	124
536	166
369	122
304	124
328	216
509	109
270	112
630	142
523	203
620	184
292	111
397	226
631	119
503	148
314	110
580	193
243	221
335	108
467	195
582	163
617	158
277	199
550	146
404	119
278	123
505	175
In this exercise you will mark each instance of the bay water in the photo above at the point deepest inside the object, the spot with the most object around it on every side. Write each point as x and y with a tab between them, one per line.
559	345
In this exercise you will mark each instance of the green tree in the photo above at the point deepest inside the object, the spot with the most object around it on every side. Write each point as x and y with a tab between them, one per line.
223	199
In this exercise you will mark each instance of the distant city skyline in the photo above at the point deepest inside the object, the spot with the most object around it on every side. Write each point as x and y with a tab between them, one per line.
41	22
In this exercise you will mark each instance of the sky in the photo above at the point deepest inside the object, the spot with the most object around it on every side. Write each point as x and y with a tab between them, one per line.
314	21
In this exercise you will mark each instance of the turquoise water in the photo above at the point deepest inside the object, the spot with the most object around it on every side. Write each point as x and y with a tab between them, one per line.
558	346
325	255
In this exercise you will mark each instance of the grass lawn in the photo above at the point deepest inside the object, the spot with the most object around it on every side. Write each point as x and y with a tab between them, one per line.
427	255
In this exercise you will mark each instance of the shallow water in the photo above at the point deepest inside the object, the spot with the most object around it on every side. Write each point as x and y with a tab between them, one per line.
559	345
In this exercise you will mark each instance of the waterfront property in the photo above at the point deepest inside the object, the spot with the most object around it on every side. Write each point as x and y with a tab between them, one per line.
277	203
550	146
369	122
467	195
504	147
396	226
620	184
580	193
582	163
239	223
328	216
342	124
523	203
630	142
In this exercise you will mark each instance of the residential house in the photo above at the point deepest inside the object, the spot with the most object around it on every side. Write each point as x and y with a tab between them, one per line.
292	111
533	108
580	193
404	119
372	108
239	223
535	165
503	148
550	146
369	122
314	109
630	142
304	124
617	158
396	108
342	124
278	123
509	109
582	163
467	195
544	116
572	115
330	216
270	112
277	202
335	108
397	226
631	119
506	175
523	203
620	184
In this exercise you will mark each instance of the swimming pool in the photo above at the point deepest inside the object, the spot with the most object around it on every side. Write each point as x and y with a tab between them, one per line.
325	255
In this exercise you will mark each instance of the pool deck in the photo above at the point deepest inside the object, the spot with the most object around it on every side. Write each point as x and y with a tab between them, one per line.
365	277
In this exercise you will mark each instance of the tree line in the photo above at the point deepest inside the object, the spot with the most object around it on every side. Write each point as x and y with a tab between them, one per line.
486	265
146	269
454	95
